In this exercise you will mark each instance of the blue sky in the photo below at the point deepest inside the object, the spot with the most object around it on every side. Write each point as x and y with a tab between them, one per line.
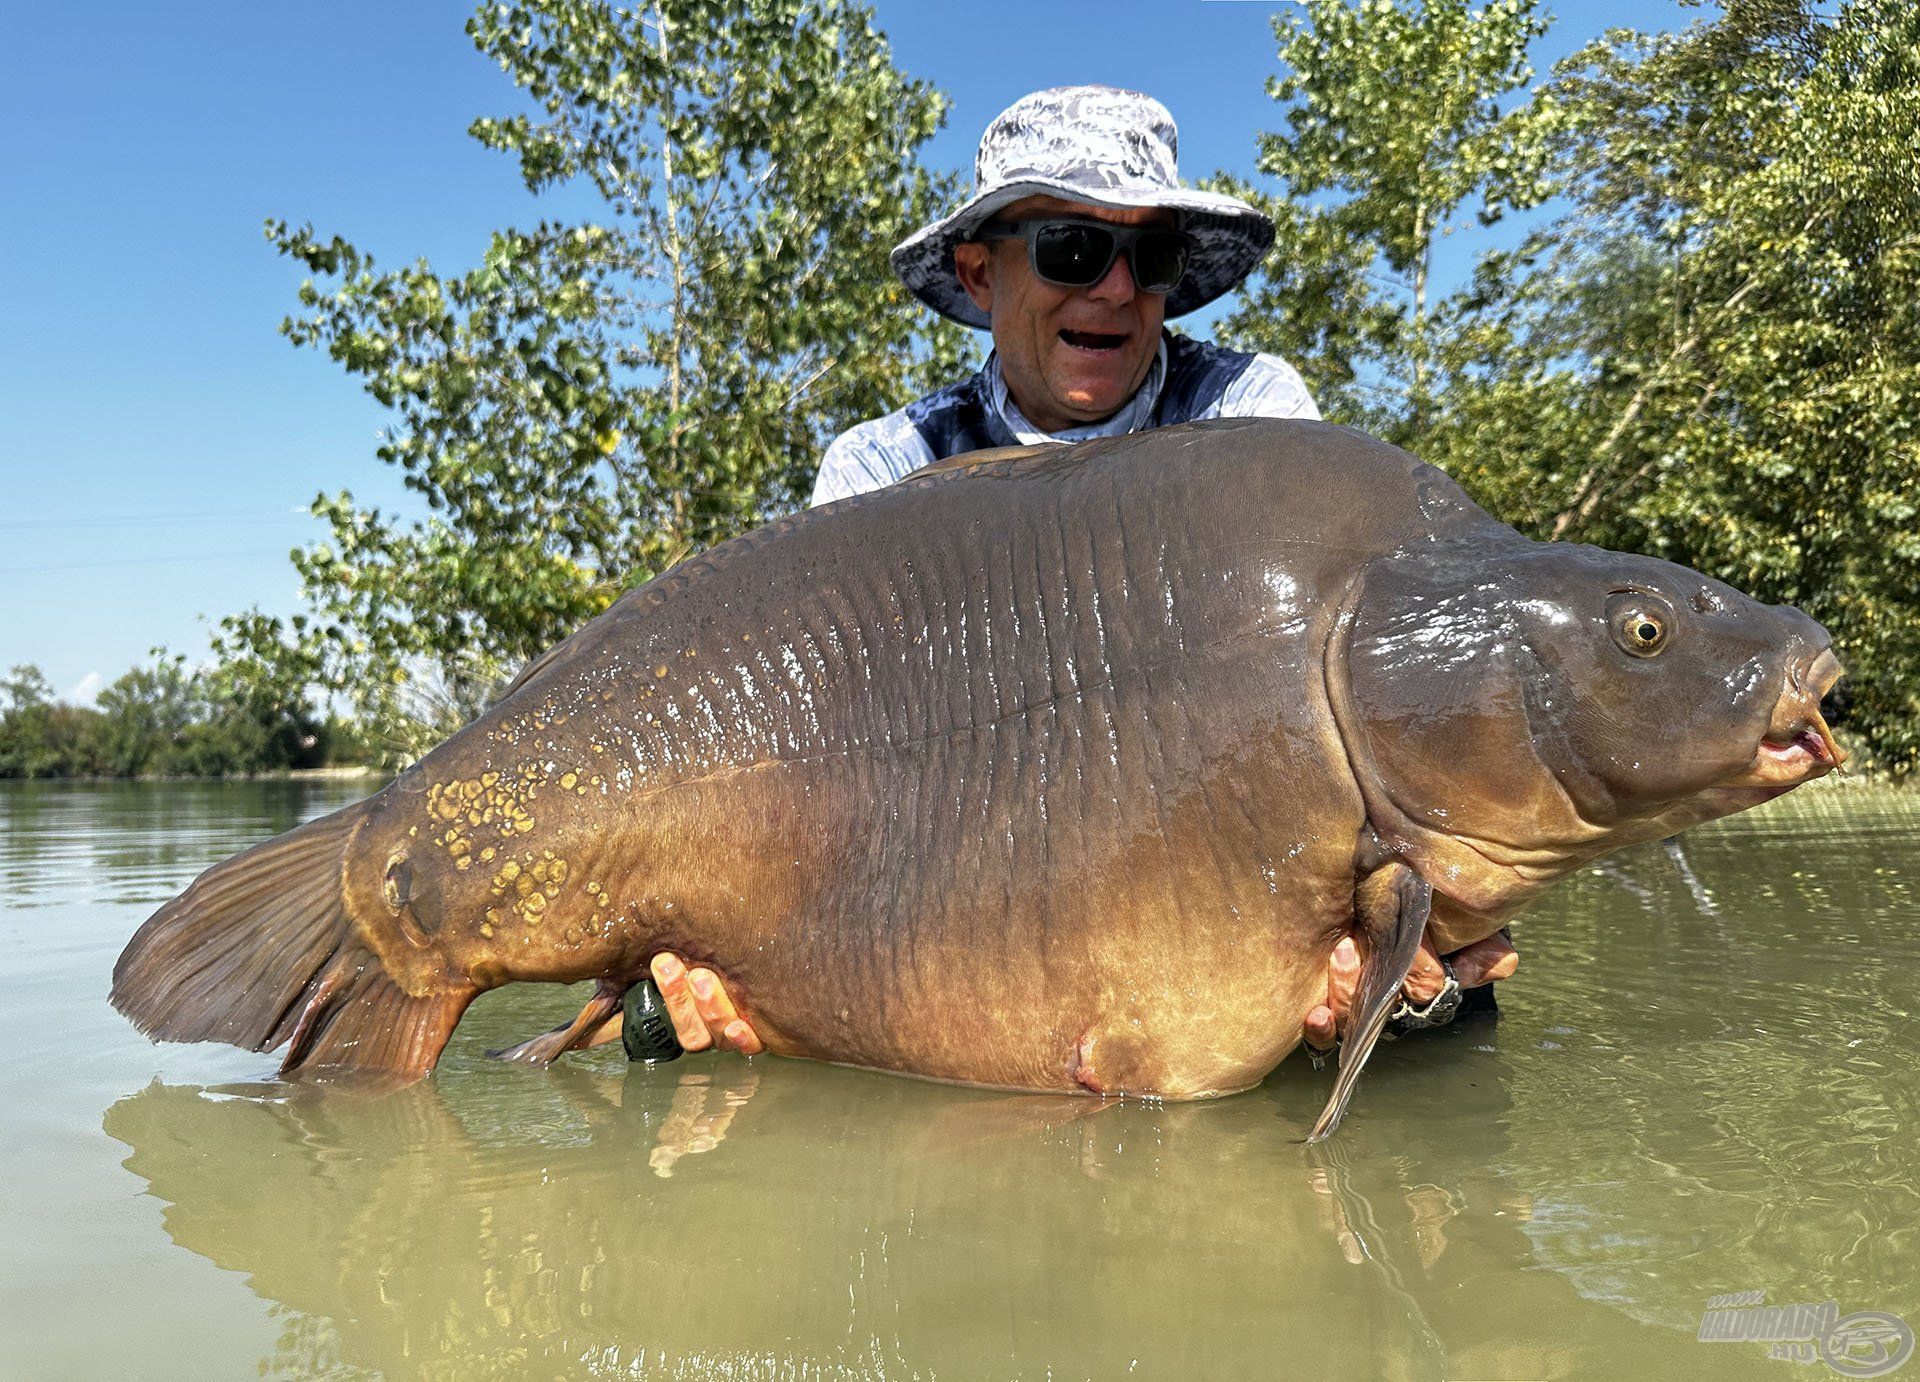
160	442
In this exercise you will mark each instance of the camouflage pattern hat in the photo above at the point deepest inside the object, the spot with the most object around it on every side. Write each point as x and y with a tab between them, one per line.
1096	144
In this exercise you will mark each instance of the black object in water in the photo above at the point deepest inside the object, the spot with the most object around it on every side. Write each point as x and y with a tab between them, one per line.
647	1031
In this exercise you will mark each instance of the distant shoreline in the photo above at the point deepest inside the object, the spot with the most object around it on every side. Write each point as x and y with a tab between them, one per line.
341	771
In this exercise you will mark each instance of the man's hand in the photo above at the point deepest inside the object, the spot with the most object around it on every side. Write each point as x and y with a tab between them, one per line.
1476	964
703	1015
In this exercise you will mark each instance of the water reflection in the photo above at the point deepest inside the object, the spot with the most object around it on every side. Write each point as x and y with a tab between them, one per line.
1733	1076
1707	1079
139	842
751	1219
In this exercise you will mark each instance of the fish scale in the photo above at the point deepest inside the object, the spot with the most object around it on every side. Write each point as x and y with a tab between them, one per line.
1061	768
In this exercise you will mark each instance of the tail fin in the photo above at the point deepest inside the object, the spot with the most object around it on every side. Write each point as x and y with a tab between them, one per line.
260	950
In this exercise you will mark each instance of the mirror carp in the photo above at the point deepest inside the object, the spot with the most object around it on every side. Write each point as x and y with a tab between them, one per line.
1056	769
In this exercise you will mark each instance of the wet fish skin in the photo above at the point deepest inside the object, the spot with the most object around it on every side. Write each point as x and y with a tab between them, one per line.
1523	744
1056	771
1017	913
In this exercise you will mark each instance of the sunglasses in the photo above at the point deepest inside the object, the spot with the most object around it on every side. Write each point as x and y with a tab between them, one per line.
1077	254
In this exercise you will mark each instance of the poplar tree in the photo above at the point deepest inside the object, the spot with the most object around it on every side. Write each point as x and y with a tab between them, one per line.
1706	344
601	396
1395	136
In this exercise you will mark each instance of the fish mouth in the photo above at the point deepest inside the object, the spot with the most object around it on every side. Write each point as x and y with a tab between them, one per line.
1798	746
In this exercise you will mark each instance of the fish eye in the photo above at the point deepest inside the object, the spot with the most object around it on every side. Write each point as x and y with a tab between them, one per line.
1639	623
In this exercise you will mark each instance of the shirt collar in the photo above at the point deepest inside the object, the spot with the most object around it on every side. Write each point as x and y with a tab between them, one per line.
1134	416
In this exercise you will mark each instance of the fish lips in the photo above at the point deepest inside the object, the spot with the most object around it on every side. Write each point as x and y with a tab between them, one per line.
1798	745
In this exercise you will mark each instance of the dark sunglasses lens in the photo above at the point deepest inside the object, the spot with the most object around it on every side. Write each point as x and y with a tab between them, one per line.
1159	261
1070	255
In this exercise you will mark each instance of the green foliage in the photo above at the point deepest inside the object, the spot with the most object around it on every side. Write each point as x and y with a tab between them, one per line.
26	688
40	737
1749	409
143	716
1709	351
261	682
160	721
594	402
1394	132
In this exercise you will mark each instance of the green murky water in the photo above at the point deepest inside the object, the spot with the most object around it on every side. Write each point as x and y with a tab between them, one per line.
1706	1080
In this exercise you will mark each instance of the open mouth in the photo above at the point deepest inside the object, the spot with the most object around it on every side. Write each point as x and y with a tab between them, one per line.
1812	746
1799	746
1094	340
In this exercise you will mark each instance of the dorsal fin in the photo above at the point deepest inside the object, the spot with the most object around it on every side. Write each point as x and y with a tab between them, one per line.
538	665
968	459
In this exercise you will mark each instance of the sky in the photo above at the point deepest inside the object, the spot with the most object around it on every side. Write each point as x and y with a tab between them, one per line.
160	442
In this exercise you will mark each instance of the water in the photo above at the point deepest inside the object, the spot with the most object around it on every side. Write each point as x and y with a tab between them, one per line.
1706	1080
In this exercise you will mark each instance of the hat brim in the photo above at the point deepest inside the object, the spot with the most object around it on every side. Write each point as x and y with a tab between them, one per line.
1229	239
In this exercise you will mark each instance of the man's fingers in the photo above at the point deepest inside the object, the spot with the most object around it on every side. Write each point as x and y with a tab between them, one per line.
671	976
718	1013
700	1008
1343	977
1479	963
1504	967
711	998
1486	960
1425	978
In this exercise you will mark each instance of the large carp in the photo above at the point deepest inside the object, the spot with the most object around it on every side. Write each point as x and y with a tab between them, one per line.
971	777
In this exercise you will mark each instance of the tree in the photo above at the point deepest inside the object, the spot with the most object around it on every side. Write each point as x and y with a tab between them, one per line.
166	720
259	696
1394	130
595	401
144	713
26	688
39	736
1707	347
1724	330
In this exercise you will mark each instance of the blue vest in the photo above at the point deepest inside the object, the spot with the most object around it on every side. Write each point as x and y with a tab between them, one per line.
961	417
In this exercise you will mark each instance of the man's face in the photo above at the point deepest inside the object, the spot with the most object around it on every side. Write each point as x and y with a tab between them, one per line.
1070	355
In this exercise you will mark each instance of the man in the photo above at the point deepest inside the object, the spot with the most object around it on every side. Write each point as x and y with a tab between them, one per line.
1077	245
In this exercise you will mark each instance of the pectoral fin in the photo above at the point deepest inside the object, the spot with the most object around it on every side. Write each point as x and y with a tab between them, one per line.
1391	907
588	1029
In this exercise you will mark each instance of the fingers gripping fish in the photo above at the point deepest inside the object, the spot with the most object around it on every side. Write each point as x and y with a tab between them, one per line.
970	777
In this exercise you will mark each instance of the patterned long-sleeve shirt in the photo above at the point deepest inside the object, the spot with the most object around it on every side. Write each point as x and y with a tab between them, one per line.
1192	380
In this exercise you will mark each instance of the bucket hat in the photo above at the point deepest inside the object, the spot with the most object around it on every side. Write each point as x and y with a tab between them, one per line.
1096	144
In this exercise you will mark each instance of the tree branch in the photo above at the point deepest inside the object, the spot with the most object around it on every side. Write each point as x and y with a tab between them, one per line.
1593	484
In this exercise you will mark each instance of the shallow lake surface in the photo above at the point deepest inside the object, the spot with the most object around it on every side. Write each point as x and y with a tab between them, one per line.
1705	1080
